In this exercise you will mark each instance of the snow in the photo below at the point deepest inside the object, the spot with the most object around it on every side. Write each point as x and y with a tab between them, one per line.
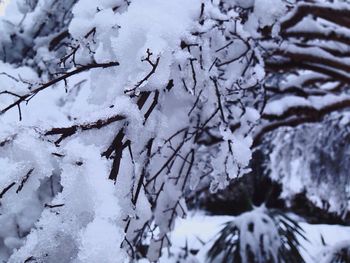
60	205
268	11
199	228
263	226
244	3
88	217
98	243
4	7
279	106
265	13
331	253
241	150
297	80
142	28
87	17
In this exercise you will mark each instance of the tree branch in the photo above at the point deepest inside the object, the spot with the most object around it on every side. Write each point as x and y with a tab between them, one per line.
68	131
31	94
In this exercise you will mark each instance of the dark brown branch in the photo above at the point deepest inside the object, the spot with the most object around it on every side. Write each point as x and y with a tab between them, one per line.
218	95
166	162
32	93
116	141
301	57
188	170
201	20
296	91
24	180
57	39
144	171
69	131
331	36
225	46
195	103
170	85
193	75
53	206
118	151
7	140
283	66
117	144
3	192
143	98
337	16
154	66
308	116
153	105
233	59
31	258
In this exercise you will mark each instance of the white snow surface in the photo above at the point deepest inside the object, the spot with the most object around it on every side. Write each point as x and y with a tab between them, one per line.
280	106
85	226
199	228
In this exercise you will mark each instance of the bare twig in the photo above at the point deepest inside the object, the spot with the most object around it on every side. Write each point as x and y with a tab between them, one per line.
32	93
